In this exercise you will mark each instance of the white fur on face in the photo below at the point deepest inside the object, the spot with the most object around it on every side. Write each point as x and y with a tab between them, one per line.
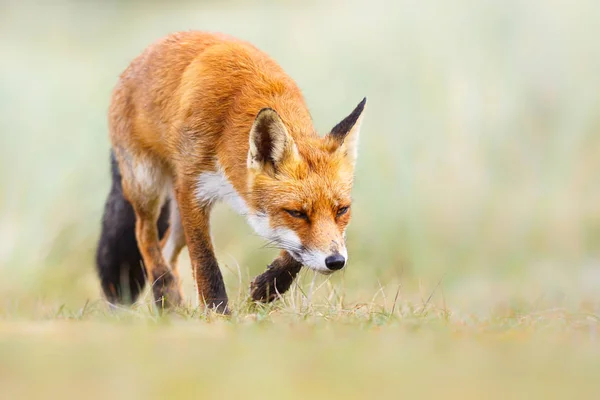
286	238
289	240
261	224
344	252
315	259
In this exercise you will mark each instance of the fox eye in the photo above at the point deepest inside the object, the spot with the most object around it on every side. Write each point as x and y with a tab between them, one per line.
297	214
342	210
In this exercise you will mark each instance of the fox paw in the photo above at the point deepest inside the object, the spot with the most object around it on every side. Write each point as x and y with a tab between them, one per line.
262	289
167	291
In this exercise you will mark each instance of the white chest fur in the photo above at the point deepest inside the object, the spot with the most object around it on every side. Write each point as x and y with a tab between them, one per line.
214	186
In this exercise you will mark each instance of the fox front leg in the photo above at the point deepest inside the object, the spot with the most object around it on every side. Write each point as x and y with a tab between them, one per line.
276	280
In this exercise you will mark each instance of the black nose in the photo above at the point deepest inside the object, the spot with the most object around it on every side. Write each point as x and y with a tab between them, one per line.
335	261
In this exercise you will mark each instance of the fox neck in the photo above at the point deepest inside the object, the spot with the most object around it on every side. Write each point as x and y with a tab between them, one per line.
215	186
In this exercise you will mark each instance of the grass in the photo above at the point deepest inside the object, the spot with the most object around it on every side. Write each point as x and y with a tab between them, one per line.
311	343
475	241
287	351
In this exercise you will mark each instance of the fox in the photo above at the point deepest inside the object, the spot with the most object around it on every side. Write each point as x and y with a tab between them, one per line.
199	118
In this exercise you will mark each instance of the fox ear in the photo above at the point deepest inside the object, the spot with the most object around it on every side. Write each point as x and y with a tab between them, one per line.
345	134
270	142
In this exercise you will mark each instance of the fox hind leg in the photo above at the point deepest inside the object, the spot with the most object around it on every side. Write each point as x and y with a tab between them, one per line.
118	259
145	182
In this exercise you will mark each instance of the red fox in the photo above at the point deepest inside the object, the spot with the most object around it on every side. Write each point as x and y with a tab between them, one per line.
199	118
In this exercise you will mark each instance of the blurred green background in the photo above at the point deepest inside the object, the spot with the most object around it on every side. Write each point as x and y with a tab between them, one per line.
479	158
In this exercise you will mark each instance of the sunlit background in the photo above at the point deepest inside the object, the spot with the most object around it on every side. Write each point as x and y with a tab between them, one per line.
479	166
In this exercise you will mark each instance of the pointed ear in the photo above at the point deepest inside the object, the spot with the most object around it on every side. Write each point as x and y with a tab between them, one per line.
270	142
345	134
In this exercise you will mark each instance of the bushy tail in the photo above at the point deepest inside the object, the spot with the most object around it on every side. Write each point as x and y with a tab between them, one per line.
118	258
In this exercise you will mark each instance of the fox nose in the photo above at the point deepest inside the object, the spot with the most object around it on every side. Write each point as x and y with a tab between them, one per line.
335	261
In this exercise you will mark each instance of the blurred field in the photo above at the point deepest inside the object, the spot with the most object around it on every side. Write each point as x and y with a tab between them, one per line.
475	241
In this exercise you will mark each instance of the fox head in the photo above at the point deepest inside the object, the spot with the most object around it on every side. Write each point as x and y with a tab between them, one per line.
300	192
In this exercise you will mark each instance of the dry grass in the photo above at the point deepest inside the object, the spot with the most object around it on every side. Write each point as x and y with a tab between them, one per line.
299	348
287	351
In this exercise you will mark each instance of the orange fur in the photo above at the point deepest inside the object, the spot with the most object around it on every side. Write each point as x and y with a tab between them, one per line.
188	104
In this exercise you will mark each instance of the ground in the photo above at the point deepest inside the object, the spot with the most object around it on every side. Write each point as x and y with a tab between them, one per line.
299	349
